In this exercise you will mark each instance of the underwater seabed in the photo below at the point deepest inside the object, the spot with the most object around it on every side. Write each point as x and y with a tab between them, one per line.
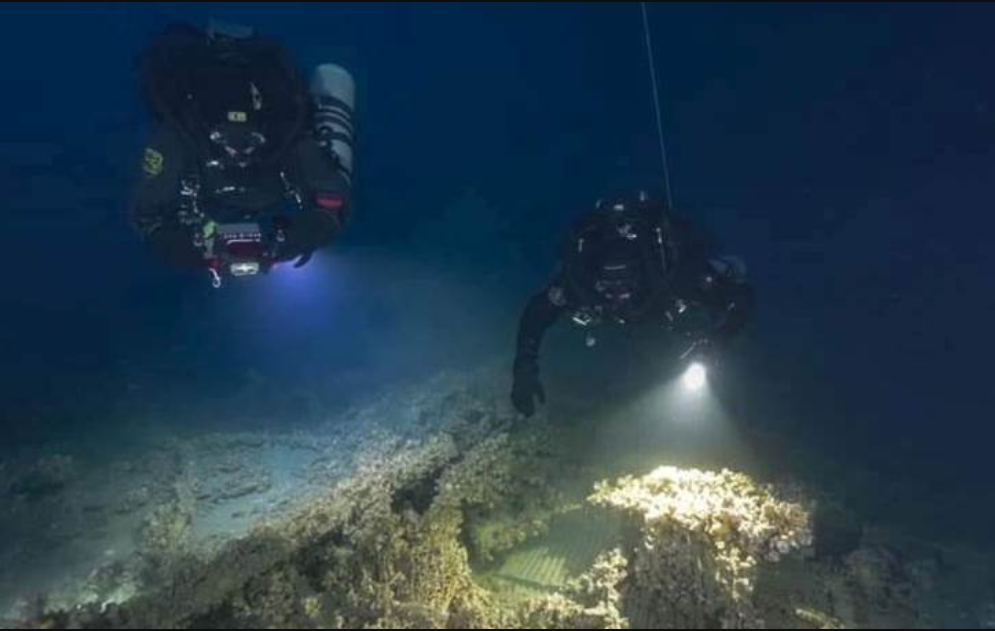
431	506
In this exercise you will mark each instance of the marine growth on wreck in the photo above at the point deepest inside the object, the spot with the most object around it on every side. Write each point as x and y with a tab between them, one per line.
483	523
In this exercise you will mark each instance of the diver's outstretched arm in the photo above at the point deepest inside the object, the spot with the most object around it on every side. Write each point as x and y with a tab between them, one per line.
542	312
724	290
158	200
326	200
156	196
737	306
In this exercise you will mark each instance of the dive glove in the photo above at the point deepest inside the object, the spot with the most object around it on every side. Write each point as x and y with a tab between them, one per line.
527	388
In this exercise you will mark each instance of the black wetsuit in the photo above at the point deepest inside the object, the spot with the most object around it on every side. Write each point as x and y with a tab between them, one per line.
681	285
293	182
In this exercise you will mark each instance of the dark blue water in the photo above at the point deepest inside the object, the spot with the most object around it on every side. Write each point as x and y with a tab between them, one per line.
845	150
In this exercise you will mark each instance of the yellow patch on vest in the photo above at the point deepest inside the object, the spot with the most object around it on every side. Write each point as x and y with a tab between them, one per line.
238	117
153	163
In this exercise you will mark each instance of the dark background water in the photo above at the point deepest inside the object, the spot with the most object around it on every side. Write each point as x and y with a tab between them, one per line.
846	150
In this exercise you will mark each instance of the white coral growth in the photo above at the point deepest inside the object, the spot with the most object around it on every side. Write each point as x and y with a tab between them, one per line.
704	536
728	508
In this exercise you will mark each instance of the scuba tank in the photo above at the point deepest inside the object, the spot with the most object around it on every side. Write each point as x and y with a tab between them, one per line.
334	92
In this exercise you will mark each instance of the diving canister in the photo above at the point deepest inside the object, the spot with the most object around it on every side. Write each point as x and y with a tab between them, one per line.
334	94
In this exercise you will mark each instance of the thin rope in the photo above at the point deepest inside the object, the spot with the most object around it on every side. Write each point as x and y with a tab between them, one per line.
658	109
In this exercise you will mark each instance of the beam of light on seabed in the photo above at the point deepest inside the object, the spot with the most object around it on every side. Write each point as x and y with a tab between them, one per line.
319	280
672	424
313	305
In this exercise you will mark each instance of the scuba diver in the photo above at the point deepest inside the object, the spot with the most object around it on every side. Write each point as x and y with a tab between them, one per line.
632	262
248	165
